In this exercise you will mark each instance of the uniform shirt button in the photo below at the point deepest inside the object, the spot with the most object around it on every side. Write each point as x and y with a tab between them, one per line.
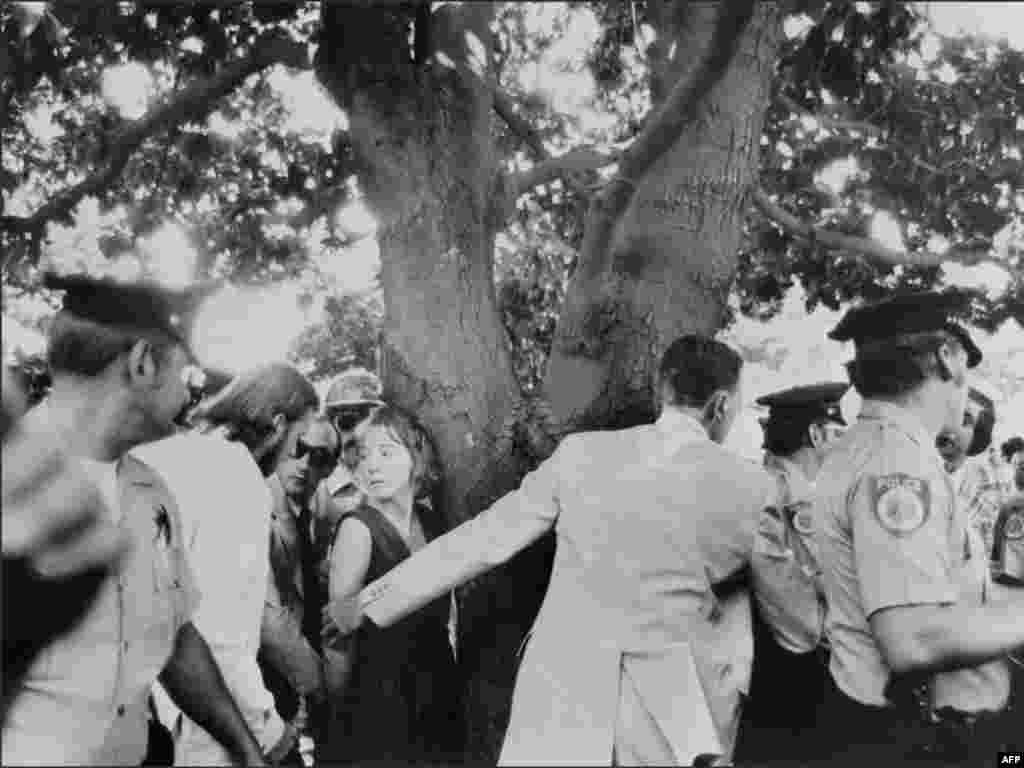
120	710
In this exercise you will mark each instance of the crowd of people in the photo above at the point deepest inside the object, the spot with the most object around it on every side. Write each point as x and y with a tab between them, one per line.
249	576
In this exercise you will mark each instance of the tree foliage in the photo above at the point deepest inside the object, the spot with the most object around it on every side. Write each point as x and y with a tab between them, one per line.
936	142
538	138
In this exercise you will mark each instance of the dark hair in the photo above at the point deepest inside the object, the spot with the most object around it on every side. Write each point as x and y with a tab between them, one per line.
897	365
982	436
1012	447
85	348
249	403
427	477
696	367
784	437
323	421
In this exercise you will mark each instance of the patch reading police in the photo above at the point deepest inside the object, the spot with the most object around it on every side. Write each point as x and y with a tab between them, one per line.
902	503
1014	528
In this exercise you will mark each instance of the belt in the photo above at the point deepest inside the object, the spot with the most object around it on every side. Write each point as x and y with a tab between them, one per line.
967	720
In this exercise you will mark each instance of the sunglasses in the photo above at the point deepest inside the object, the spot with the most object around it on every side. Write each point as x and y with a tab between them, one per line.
319	457
348	418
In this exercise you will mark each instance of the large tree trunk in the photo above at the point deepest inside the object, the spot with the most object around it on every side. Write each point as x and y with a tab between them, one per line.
674	254
422	138
421	134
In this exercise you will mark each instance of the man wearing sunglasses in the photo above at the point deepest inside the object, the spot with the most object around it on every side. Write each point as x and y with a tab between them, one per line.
295	596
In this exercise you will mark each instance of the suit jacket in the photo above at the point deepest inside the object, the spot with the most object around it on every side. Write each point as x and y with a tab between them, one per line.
284	648
646	520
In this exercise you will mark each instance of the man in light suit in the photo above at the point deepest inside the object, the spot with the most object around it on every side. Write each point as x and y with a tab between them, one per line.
630	661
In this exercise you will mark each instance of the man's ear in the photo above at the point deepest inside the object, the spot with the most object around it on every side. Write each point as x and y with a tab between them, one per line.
142	367
717	406
951	359
816	435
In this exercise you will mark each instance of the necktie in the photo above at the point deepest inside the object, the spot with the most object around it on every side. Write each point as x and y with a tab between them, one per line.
312	603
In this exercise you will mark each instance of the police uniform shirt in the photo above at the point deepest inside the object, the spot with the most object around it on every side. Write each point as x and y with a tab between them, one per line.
1008	551
891	535
979	496
785	573
84	699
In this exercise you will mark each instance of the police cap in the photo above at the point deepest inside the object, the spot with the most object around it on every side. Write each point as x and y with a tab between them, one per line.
141	306
806	404
918	312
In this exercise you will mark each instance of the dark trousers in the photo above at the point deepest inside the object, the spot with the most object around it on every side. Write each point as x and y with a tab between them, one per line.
779	722
160	749
855	734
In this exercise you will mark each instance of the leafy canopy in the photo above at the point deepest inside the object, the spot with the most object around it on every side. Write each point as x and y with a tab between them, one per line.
874	122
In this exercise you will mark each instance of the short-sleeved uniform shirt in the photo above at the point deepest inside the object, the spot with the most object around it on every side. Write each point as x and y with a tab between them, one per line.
1008	552
980	497
892	535
84	700
785	570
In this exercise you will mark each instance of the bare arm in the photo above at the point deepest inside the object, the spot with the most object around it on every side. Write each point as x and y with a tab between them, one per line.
942	637
350	561
193	680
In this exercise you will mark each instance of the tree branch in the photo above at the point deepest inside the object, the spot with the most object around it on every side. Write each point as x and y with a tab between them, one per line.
871	249
569	167
193	103
519	125
661	132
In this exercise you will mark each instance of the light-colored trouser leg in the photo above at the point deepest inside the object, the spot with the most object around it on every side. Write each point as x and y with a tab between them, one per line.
638	738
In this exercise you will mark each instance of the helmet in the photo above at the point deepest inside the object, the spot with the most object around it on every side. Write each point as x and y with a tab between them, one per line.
355	386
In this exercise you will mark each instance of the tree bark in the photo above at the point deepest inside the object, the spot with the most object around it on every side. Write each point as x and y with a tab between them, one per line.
422	138
674	250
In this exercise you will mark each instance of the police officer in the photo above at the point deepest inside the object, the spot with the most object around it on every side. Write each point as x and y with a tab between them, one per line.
120	359
57	544
919	645
790	659
975	483
352	395
1008	549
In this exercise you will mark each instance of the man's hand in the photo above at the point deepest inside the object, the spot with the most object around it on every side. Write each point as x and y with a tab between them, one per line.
341	618
289	741
57	545
52	512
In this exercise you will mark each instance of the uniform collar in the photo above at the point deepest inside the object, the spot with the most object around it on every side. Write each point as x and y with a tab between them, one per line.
801	486
902	418
679	428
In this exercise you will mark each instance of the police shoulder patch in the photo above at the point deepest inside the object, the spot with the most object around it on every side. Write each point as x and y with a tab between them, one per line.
902	503
1014	526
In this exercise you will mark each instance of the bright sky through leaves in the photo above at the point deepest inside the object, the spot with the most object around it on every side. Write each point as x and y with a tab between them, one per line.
562	81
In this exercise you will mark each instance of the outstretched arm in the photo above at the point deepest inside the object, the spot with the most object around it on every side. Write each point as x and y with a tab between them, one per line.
491	538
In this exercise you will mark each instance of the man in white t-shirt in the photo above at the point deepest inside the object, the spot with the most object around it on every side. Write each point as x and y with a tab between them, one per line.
226	512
